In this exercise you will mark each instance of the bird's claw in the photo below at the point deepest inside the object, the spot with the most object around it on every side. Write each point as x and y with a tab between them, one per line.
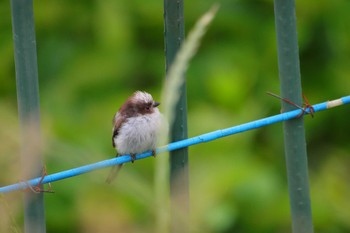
133	157
154	153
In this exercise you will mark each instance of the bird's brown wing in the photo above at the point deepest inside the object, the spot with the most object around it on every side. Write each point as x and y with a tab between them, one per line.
117	122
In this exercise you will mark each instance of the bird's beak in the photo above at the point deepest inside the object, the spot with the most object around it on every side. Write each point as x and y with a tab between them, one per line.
156	104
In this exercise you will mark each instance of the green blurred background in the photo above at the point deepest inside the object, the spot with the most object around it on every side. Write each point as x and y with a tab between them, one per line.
93	54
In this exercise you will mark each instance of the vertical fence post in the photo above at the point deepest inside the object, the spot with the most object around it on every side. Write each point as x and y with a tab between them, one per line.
174	35
294	133
28	109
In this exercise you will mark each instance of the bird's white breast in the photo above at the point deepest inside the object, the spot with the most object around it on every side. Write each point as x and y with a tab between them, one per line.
138	134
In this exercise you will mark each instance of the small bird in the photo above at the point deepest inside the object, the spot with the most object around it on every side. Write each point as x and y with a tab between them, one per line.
135	127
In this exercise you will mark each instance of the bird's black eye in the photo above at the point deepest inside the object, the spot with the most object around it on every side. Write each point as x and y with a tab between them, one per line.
148	107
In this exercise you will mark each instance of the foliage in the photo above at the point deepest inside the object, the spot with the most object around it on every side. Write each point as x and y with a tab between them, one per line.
93	54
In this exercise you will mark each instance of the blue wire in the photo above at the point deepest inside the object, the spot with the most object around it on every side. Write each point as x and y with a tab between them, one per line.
176	145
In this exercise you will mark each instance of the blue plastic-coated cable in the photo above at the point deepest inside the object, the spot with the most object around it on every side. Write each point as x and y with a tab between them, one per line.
176	145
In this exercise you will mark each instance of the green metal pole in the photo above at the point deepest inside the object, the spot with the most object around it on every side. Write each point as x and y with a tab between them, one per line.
174	36
294	133
28	109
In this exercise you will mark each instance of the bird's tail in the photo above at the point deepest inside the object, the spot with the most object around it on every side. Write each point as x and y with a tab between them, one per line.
113	173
